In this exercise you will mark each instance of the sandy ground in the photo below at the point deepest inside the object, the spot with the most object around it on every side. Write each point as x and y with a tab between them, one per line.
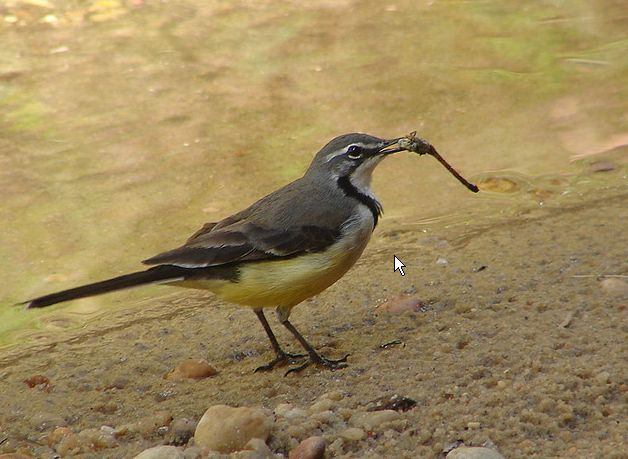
520	343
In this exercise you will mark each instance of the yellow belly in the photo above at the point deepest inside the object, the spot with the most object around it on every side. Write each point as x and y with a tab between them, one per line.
285	283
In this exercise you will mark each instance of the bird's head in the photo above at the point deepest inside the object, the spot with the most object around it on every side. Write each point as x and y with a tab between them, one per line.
353	156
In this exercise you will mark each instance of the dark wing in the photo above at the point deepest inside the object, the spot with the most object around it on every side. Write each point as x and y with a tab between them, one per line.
245	241
252	233
207	227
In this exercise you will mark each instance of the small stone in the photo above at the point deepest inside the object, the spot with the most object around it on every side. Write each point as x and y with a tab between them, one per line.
49	19
615	286
254	449
194	452
394	402
282	409
180	431
115	384
39	381
310	448
288	411
45	421
462	308
165	394
602	166
59	50
373	419
473	425
441	261
352	434
603	377
97	439
107	429
57	435
161	452
322	405
63	441
567	320
146	426
109	407
192	369
401	304
326	417
474	452
227	429
334	395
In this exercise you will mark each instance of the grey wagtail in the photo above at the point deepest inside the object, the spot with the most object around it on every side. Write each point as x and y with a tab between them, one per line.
283	249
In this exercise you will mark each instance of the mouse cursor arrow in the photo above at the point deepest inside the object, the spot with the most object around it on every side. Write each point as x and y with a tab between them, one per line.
398	265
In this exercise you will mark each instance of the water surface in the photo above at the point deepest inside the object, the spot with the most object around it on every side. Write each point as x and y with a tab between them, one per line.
125	126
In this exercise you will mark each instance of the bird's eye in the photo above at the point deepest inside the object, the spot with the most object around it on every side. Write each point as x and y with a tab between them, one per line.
354	152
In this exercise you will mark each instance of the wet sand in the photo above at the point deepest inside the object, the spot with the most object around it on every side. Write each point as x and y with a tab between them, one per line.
520	342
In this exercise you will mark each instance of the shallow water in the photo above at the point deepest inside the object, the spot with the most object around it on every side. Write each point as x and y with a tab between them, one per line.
126	126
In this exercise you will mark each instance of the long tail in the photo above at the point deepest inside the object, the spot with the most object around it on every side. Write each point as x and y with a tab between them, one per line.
157	274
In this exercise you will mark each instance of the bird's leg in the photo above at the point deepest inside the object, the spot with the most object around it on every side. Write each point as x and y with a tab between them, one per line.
315	357
283	357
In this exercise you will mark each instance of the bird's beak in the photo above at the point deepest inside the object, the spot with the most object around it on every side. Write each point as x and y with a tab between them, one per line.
391	146
407	143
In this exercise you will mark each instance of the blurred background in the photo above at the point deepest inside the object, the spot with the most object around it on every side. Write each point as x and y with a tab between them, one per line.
125	125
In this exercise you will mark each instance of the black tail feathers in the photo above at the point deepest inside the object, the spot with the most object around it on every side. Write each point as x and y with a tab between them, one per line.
156	274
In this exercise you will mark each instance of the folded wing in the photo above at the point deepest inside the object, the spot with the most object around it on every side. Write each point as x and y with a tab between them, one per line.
217	244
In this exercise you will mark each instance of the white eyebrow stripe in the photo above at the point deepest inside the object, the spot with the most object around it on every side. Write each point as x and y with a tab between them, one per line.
343	151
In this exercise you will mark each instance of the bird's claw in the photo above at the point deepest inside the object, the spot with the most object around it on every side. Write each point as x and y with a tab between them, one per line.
330	364
282	359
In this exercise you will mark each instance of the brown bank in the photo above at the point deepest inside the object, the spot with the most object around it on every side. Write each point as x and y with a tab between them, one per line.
515	341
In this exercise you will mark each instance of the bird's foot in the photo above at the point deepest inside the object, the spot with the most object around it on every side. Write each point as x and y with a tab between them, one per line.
283	358
321	361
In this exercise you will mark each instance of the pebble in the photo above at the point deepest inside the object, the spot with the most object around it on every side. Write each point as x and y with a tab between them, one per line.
474	452
146	426
322	405
66	442
97	438
227	429
180	431
352	434
45	421
325	417
602	166
282	409
334	395
603	377
441	261
310	448
161	452
63	440
401	304
254	449
195	452
615	286
192	369
39	381
288	411
372	420
394	402
109	407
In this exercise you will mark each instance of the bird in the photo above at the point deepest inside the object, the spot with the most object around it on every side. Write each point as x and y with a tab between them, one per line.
283	249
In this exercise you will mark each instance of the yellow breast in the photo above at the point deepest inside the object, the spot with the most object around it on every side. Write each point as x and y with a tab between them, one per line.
287	282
